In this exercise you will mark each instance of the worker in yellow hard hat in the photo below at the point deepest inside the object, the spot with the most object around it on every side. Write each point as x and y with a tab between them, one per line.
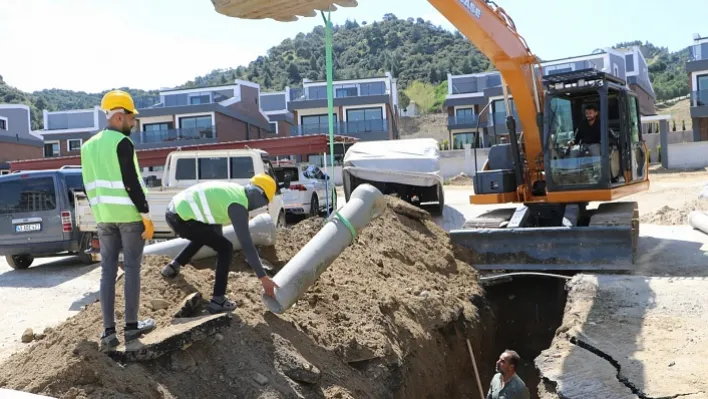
198	214
116	193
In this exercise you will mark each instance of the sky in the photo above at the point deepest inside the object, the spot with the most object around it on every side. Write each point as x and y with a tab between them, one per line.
93	45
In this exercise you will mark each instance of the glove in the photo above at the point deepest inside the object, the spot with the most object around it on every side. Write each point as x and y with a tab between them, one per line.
149	227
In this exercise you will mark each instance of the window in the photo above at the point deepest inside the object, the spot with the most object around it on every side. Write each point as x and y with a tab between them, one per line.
73	182
634	119
291	172
73	145
213	168
273	127
460	139
51	149
346	92
701	90
186	169
197	127
313	124
365	120
317	92
199	99
28	195
629	60
241	167
151	127
465	115
499	110
3	123
372	89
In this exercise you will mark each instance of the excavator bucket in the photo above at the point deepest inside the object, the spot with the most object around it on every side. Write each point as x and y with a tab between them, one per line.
603	239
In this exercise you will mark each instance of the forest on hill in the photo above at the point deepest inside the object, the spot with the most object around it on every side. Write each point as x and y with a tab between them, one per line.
413	50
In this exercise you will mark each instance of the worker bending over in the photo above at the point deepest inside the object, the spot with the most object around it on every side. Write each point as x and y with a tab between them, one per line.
198	214
116	194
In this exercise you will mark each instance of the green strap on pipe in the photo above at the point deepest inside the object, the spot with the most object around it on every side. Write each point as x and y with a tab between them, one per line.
330	101
346	223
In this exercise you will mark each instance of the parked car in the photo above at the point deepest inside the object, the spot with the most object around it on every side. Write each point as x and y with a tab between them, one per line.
304	188
37	216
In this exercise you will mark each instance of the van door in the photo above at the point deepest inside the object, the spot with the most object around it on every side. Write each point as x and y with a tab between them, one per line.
29	210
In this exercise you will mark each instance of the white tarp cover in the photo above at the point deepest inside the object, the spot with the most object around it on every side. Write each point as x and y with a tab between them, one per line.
413	161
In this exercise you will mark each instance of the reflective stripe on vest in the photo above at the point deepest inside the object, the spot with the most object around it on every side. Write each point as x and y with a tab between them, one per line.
107	195
193	203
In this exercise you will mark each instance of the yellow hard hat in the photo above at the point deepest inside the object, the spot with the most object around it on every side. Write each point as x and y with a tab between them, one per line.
118	99
266	183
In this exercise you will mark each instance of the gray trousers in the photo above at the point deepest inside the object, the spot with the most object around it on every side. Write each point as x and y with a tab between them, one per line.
112	238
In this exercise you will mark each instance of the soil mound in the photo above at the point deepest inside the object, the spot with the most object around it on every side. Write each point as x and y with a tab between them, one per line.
667	215
461	180
389	318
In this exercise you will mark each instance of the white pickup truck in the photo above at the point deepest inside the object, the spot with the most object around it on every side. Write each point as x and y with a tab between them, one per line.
186	168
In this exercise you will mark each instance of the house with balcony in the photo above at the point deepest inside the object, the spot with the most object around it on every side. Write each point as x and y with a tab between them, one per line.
366	109
65	131
697	69
16	139
469	95
203	115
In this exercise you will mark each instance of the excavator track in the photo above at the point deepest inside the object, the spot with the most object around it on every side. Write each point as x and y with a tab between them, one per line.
558	237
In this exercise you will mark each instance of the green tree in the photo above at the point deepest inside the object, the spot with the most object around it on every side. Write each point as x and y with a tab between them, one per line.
403	100
294	73
423	94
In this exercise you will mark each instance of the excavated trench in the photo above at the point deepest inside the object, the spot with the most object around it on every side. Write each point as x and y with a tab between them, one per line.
521	313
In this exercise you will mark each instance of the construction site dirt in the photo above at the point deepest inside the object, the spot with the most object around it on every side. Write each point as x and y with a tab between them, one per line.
389	318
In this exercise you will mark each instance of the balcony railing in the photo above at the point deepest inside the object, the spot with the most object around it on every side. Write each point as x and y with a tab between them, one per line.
699	98
339	91
699	52
462	120
500	117
176	100
172	135
343	128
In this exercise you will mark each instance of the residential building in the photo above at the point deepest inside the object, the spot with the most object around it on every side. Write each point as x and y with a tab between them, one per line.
202	115
16	139
697	69
363	108
65	131
469	95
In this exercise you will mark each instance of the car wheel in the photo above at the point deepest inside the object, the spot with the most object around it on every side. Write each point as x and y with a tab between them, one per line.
314	206
281	223
85	245
18	262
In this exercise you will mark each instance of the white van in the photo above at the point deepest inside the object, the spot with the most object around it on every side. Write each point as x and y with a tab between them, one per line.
186	168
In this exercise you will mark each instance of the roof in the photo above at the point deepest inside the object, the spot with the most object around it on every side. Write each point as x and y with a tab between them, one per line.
281	146
21	139
211	107
224	86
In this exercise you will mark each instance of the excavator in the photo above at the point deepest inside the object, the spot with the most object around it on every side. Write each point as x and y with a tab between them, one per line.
548	178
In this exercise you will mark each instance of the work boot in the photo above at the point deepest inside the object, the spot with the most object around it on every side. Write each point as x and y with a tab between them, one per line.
135	330
171	270
109	339
220	304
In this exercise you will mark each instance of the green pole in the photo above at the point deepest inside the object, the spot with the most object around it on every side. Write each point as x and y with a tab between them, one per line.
330	101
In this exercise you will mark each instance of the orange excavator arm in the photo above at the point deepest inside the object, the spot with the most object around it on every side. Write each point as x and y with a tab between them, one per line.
489	28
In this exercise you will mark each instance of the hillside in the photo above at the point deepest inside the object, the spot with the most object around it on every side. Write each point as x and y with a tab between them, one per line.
412	49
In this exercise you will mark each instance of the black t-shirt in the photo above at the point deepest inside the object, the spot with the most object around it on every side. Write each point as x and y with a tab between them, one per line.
589	134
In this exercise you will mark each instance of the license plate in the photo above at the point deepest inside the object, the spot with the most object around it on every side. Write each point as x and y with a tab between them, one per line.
25	228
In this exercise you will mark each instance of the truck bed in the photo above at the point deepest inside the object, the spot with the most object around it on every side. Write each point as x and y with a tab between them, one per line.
158	201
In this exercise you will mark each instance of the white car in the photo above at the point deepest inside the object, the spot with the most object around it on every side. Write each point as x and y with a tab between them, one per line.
304	188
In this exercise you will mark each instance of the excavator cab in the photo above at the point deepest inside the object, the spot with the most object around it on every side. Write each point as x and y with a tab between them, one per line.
570	163
556	228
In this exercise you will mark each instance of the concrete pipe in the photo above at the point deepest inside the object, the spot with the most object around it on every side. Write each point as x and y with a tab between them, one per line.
262	228
365	203
699	221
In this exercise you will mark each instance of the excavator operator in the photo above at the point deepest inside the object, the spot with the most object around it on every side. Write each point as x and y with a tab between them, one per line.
198	214
589	132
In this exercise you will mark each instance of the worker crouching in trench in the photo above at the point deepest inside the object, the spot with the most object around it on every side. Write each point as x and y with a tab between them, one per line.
198	213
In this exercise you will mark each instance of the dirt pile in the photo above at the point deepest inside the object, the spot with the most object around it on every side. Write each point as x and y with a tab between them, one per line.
667	215
461	180
388	319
